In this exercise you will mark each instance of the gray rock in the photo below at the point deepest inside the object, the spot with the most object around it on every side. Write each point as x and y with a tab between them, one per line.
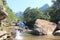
57	33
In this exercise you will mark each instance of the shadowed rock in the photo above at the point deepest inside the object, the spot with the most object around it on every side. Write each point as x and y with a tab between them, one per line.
36	33
58	26
3	14
57	33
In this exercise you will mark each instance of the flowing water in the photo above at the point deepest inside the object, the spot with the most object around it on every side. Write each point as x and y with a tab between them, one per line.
22	36
18	35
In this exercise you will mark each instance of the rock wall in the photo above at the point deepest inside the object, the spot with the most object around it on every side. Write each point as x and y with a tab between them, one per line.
3	15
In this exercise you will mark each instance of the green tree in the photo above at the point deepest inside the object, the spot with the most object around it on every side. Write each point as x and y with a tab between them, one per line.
30	16
54	11
46	13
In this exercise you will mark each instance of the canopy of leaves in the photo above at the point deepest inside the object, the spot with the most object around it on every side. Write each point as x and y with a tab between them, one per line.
54	11
30	16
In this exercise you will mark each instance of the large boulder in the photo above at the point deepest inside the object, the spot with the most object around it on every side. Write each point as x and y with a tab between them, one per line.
44	26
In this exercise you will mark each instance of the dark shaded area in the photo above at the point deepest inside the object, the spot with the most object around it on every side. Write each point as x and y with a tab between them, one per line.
55	21
30	25
0	24
57	34
2	15
36	33
2	35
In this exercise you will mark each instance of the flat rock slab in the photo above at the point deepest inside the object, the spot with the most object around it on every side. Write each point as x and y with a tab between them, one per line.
3	34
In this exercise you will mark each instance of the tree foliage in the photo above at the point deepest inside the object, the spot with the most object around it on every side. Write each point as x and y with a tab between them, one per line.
54	11
30	16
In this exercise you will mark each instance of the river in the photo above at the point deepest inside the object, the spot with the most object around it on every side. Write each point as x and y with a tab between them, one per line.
24	36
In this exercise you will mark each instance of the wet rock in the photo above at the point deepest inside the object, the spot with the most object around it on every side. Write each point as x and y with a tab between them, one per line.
9	38
57	33
44	26
11	32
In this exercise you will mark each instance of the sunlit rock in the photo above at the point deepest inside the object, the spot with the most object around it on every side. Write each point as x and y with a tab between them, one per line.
44	26
3	35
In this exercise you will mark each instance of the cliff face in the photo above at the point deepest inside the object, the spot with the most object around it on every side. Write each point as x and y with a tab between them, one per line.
3	13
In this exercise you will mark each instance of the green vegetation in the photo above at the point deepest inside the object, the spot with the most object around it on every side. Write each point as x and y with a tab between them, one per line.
10	13
11	16
51	14
30	16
